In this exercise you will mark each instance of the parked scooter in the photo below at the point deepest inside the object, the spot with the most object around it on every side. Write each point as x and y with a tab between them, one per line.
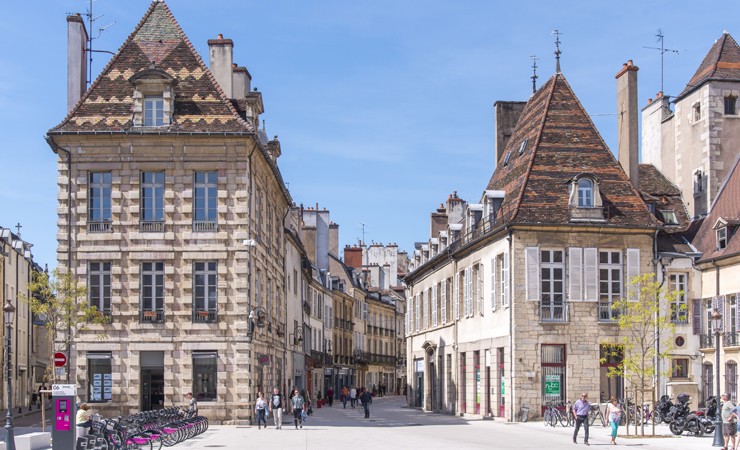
660	414
708	414
684	419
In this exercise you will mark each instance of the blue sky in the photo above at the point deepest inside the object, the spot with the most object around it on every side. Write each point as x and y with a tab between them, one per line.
382	108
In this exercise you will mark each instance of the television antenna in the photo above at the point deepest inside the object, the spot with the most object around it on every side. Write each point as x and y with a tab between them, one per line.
663	51
534	77
91	18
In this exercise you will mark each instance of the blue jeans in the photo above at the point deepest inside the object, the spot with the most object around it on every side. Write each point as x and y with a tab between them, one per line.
581	420
261	417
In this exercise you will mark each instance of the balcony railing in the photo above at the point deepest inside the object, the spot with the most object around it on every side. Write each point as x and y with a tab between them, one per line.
377	358
554	312
98	226
730	339
205	225
151	226
706	341
204	316
155	316
607	313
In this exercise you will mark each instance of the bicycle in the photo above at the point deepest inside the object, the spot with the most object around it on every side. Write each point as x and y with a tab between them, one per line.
594	413
554	414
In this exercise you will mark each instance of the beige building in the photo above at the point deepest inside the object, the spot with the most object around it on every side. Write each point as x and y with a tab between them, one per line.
171	209
510	298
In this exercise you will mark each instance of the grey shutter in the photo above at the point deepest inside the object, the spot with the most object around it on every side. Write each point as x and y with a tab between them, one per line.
575	273
591	274
633	270
532	264
696	316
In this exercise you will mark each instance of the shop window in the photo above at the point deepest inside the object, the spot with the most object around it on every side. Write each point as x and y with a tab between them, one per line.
205	375
99	378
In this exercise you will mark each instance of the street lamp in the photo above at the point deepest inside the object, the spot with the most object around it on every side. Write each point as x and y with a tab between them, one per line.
297	335
716	325
9	313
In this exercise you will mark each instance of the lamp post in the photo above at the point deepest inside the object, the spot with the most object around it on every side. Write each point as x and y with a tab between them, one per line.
716	325
9	313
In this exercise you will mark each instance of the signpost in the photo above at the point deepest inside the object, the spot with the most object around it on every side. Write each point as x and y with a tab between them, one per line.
60	359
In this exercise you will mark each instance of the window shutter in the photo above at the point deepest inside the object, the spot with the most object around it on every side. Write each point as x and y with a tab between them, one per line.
506	281
575	272
443	301
591	274
456	297
696	316
418	312
532	263
481	272
434	306
493	284
468	290
633	270
718	303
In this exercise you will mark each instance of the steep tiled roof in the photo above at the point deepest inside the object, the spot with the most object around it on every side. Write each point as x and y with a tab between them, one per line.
721	63
726	208
562	143
664	195
200	104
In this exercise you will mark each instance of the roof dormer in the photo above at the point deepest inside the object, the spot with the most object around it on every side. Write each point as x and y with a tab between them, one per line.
584	200
154	97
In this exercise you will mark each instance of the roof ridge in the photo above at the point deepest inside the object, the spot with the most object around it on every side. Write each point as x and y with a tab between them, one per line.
536	145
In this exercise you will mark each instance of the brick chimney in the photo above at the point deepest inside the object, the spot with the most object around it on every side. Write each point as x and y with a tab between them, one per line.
221	52
76	60
627	116
506	115
353	257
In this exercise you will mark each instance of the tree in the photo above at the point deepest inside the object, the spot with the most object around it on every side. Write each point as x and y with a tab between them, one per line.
646	322
61	302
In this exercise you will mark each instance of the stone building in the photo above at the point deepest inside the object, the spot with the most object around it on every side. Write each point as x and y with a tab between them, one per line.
171	209
510	298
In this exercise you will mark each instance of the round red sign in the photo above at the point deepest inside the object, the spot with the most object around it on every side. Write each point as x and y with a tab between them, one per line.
60	359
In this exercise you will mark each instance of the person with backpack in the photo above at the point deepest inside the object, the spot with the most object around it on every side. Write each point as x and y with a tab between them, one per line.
276	408
298	405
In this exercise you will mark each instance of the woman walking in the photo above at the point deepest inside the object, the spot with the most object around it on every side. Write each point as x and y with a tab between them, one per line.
261	408
299	405
614	413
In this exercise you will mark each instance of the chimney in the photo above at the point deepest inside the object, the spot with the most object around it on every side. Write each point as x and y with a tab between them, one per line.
627	111
242	82
334	239
76	60
506	115
221	53
353	257
273	149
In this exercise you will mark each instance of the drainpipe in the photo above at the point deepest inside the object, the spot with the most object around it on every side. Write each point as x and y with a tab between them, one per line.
56	149
511	330
656	262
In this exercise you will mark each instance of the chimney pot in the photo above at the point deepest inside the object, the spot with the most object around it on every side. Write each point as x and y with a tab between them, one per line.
650	100
220	36
629	62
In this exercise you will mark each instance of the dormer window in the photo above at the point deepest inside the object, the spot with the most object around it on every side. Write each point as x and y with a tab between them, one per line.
585	193
669	216
721	238
523	147
154	98
153	111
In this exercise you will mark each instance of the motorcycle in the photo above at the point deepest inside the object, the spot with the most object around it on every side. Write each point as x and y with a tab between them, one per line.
685	420
707	415
660	414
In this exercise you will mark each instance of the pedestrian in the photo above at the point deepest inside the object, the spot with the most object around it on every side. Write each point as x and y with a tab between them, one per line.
365	399
330	396
192	409
276	408
298	405
580	413
729	429
352	397
614	414
260	407
345	396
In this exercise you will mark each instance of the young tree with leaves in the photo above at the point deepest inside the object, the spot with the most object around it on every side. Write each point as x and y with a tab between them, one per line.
62	303
646	319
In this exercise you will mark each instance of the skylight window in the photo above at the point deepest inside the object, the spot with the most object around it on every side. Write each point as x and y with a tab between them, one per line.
506	158
721	238
669	217
523	147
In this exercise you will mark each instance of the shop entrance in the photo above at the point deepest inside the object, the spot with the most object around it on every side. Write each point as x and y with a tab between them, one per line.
152	380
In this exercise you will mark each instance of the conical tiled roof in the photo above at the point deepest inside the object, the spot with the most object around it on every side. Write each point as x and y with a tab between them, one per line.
721	63
562	143
200	105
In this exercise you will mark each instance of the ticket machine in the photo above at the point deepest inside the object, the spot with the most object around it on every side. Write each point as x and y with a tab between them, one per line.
64	397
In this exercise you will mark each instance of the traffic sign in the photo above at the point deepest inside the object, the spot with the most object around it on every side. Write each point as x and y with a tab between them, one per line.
60	359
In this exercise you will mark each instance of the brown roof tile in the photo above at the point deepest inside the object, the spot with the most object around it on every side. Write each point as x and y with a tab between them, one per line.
721	63
200	104
664	195
726	207
562	143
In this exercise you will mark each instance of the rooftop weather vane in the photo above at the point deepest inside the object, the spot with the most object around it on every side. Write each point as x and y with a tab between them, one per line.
557	34
662	50
534	77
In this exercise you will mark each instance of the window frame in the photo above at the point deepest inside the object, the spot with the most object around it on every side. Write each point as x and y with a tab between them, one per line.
677	282
206	396
549	266
680	367
731	102
99	279
722	238
151	209
99	202
153	311
105	380
585	193
609	296
205	200
669	216
208	270
153	110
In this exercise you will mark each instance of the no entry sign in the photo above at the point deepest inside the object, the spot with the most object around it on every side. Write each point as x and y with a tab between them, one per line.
60	359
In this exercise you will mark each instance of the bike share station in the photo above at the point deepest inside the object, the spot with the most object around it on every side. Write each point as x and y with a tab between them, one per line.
64	430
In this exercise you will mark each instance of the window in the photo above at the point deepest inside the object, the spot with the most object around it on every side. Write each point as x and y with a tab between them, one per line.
552	358
721	238
152	292
679	306
99	379
434	306
205	199
731	379
494	285
98	285
523	146
417	319
506	158
696	112
99	202
707	380
680	368
205	375
153	111
585	193
669	217
552	282
503	265
443	301
152	201
610	284
730	105
204	291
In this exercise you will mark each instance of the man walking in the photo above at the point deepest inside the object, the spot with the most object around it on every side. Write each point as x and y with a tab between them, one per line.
580	413
729	429
345	396
352	397
276	408
365	399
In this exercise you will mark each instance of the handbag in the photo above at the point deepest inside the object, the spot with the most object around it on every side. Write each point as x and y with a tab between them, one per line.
303	415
